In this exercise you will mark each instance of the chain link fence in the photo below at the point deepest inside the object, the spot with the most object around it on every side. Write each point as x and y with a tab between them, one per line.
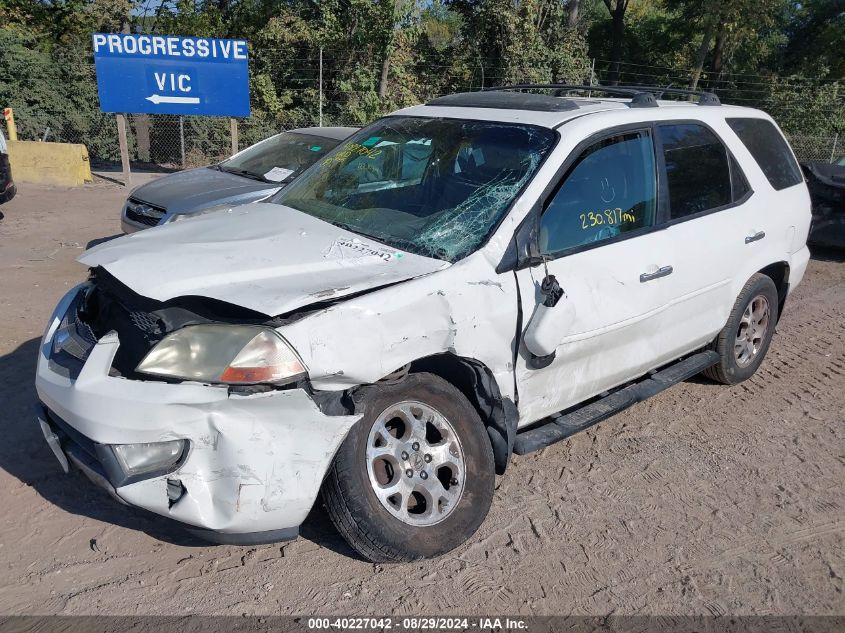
817	148
167	142
171	142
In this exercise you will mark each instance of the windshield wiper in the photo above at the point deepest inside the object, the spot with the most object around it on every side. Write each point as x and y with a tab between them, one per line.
350	228
244	173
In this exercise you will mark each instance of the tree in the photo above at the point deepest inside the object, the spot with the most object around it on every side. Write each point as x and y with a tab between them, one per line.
518	41
572	13
817	39
379	55
726	27
617	10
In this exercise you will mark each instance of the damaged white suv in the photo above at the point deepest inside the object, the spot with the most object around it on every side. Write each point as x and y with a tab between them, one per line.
485	274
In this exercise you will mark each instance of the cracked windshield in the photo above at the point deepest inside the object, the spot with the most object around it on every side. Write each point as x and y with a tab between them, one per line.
435	187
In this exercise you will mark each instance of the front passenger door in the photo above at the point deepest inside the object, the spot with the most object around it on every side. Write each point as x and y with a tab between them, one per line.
599	238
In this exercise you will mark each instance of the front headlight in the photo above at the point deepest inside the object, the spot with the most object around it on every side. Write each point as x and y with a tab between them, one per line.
230	354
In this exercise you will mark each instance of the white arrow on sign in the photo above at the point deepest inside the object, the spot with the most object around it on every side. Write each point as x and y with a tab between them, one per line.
165	99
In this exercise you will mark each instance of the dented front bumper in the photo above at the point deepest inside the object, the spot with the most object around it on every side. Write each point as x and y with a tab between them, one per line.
255	462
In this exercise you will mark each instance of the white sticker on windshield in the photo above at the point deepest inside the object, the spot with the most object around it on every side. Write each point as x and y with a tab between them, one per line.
278	174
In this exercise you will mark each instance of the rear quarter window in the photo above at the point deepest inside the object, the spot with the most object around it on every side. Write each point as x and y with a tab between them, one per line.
769	149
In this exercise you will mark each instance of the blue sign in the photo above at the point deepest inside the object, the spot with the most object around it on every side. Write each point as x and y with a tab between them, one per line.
162	74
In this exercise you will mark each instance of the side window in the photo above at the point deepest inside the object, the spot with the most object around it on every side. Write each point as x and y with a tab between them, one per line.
697	172
739	185
769	149
609	190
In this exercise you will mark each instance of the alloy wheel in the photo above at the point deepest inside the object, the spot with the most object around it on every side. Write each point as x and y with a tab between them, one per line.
415	463
752	331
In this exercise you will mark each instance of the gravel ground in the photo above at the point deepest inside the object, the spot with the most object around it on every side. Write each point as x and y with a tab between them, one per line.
704	500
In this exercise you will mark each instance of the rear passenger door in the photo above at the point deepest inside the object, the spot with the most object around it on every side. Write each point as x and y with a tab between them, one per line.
708	208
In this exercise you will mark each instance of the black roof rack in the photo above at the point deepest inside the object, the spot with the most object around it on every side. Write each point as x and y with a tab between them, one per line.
641	96
505	100
704	97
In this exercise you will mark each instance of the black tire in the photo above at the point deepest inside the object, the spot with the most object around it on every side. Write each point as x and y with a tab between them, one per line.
360	516
728	370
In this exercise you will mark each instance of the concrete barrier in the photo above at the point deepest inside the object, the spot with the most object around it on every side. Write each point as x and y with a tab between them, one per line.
62	164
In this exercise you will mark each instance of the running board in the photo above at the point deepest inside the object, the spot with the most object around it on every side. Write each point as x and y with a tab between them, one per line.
564	426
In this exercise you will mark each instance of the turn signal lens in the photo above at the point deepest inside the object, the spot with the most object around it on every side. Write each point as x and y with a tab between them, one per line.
231	354
262	360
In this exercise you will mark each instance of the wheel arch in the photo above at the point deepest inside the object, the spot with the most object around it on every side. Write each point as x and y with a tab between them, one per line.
477	383
778	272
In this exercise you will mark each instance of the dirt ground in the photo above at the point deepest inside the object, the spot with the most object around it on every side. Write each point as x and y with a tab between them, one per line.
704	500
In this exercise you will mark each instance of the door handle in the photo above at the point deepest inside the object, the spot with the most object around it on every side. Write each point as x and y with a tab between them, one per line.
759	235
663	271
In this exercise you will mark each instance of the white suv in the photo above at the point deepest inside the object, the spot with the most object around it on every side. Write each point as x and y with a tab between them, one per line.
485	274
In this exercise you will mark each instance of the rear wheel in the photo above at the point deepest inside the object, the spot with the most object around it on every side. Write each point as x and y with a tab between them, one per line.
743	342
414	478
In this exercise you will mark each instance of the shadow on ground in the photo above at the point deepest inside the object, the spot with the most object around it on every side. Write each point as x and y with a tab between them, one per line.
25	455
827	254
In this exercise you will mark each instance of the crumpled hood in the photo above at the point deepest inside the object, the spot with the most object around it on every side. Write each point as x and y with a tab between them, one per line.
265	257
195	189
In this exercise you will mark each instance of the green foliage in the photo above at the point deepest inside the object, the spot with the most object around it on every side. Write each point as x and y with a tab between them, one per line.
53	90
816	110
379	55
524	41
818	38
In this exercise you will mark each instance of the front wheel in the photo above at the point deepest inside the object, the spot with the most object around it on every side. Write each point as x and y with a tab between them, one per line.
414	478
743	342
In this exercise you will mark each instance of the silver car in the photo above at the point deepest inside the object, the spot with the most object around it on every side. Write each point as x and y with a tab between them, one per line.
251	175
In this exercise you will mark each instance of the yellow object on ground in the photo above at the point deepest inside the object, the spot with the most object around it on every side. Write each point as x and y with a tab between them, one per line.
9	116
63	164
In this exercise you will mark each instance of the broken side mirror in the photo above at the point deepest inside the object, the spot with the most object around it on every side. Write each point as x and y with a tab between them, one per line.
527	239
550	323
524	248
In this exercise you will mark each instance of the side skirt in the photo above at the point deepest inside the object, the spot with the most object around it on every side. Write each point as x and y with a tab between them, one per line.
560	426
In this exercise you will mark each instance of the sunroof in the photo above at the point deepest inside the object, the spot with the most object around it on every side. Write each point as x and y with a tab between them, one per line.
506	101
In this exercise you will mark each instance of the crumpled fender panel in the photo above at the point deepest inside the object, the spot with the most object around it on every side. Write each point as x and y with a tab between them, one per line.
467	310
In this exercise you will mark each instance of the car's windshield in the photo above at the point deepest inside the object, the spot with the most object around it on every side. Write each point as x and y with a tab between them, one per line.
279	158
436	187
841	161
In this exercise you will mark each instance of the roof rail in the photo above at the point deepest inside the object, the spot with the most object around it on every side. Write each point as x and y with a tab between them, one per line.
704	97
641	96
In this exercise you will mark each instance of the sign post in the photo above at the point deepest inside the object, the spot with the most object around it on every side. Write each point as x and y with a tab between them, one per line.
124	150
182	140
163	74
